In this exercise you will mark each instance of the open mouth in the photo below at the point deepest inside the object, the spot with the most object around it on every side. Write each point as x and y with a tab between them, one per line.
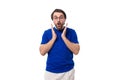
58	24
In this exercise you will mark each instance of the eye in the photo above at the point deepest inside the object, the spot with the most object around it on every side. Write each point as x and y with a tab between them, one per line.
55	17
61	17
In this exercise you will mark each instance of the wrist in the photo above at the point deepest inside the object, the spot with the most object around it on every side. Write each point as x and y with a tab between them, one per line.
53	38
63	37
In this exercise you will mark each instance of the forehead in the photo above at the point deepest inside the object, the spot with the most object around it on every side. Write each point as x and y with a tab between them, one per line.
58	14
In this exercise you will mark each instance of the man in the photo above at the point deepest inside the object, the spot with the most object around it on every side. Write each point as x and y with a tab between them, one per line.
60	43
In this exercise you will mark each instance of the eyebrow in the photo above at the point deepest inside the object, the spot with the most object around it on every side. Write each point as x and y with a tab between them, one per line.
59	16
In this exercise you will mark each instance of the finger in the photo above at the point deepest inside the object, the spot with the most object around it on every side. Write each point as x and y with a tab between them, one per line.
65	29
52	27
66	24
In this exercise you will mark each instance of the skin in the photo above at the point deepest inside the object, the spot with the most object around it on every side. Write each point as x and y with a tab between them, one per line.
59	20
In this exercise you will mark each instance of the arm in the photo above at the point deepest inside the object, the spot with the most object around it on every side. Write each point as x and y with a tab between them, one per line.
74	47
44	48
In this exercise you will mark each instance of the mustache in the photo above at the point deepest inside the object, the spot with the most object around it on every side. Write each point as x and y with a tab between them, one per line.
58	23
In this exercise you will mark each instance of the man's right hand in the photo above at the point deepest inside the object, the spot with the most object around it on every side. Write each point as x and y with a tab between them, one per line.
44	48
54	36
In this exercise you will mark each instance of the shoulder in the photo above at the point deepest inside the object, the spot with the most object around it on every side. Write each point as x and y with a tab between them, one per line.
70	30
47	34
47	31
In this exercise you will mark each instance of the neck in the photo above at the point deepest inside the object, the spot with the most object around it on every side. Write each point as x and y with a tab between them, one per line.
60	28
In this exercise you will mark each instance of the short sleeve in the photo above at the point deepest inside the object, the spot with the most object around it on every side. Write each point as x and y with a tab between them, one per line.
74	38
44	38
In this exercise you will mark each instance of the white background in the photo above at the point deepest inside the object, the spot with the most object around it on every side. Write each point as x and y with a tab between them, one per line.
96	22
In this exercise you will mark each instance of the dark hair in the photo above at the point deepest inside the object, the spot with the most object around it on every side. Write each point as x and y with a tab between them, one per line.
58	10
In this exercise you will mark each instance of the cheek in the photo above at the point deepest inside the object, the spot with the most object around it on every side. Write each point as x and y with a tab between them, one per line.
54	22
63	21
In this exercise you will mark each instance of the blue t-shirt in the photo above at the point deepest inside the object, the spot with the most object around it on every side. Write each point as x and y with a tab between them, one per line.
60	58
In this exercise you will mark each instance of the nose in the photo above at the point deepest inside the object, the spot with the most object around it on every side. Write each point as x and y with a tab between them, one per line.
58	19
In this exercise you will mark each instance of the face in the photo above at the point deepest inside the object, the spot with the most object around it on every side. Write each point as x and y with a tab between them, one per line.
59	20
